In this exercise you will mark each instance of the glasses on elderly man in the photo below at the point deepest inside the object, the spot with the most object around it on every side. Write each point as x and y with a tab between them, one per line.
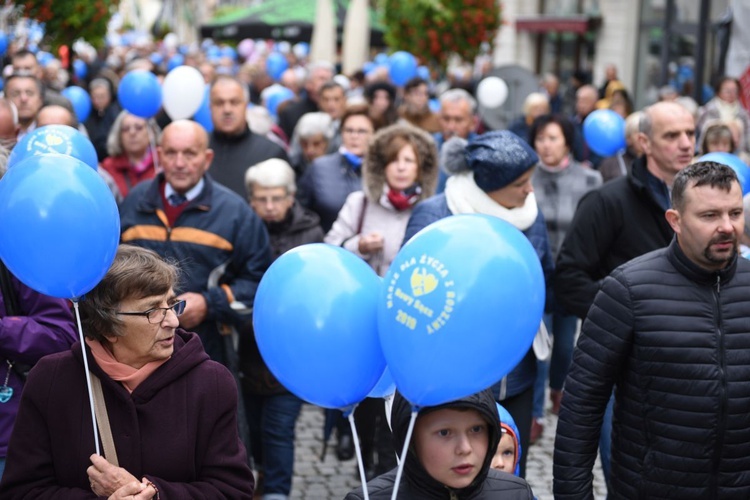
157	314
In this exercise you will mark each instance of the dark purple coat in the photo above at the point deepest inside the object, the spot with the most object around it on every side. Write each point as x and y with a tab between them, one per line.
178	429
43	325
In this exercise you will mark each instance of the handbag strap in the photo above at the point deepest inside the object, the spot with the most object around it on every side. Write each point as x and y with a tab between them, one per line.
102	420
362	215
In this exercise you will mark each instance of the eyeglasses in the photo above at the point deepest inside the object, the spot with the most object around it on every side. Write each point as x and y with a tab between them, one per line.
359	131
156	315
137	128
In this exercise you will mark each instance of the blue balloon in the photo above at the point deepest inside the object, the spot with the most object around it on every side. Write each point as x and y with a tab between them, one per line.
735	163
213	52
3	43
59	225
403	67
455	317
381	59
54	139
385	386
203	115
156	58
434	105
368	67
276	64
80	100
175	61
423	72
276	98
604	132
140	93
315	319
80	69
44	58
229	52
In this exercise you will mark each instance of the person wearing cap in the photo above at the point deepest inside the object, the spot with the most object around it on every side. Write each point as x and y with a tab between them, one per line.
492	176
451	450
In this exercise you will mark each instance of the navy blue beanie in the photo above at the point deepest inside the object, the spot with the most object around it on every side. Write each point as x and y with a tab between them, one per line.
498	158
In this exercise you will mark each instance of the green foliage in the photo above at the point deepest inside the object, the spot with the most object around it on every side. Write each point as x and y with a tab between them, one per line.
432	30
67	21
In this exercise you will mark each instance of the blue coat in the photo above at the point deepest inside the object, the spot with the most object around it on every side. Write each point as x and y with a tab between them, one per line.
436	208
220	244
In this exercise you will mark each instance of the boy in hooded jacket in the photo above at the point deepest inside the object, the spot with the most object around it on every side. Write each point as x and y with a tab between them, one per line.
450	453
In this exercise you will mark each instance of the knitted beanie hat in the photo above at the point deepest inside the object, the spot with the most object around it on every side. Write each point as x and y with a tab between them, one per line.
498	158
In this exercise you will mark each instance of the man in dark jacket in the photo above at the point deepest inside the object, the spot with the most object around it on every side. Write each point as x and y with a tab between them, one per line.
669	332
272	410
625	218
317	74
235	146
220	243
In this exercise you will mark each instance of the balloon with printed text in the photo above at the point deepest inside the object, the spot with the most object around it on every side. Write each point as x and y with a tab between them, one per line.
455	317
54	139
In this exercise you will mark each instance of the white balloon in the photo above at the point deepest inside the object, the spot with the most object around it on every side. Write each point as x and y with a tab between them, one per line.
492	92
182	92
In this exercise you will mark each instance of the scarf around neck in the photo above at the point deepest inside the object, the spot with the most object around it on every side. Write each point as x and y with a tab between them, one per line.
352	159
130	377
465	197
403	200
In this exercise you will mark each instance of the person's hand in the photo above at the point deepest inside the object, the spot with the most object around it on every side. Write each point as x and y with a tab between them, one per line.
370	243
105	478
135	491
196	310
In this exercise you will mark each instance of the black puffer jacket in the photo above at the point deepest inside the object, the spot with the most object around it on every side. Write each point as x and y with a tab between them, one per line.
674	339
613	224
417	484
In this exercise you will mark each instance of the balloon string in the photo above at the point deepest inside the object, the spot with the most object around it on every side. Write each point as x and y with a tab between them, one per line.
404	451
358	450
88	378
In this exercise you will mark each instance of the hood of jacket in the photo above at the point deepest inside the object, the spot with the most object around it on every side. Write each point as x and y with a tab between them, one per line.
508	426
373	167
415	473
188	353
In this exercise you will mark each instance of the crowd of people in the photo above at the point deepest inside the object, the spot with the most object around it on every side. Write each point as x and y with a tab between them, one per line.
641	249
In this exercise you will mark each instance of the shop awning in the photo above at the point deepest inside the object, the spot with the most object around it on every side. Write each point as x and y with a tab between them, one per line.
563	24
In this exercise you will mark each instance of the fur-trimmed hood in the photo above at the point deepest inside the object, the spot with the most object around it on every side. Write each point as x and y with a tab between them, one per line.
373	167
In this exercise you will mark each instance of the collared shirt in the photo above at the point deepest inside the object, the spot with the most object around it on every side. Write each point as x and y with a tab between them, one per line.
190	195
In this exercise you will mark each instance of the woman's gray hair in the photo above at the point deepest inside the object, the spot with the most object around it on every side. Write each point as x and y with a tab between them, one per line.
273	173
312	124
114	142
135	273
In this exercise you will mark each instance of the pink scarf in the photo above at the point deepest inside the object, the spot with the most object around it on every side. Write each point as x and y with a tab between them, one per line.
129	376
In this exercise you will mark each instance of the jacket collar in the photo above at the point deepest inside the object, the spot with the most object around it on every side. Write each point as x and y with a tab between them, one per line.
696	273
222	138
151	200
646	183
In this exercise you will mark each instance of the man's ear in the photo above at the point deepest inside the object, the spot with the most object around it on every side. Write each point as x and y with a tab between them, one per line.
643	142
673	218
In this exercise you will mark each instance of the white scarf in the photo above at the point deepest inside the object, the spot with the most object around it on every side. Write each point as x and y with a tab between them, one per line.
465	197
728	111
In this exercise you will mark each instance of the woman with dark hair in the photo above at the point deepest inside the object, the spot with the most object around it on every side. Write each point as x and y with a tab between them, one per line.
381	96
559	183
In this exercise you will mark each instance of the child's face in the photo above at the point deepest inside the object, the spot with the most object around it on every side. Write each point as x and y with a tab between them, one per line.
452	445
505	457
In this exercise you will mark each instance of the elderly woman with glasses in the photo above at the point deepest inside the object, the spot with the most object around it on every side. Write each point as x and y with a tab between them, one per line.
131	155
171	410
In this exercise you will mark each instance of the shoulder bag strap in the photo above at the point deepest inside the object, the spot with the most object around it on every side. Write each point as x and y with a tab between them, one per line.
102	420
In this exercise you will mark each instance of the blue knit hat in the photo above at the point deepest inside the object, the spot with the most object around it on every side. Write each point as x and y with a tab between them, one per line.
498	158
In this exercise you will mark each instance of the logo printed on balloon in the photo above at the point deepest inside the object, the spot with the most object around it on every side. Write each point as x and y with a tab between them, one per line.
52	142
417	307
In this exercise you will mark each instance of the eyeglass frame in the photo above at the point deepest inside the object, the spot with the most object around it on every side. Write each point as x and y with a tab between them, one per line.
180	304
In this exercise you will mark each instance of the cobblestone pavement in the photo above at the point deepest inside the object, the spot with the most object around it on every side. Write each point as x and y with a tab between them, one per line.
333	479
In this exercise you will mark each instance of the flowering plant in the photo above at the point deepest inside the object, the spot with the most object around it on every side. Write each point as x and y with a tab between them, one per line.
65	22
432	30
